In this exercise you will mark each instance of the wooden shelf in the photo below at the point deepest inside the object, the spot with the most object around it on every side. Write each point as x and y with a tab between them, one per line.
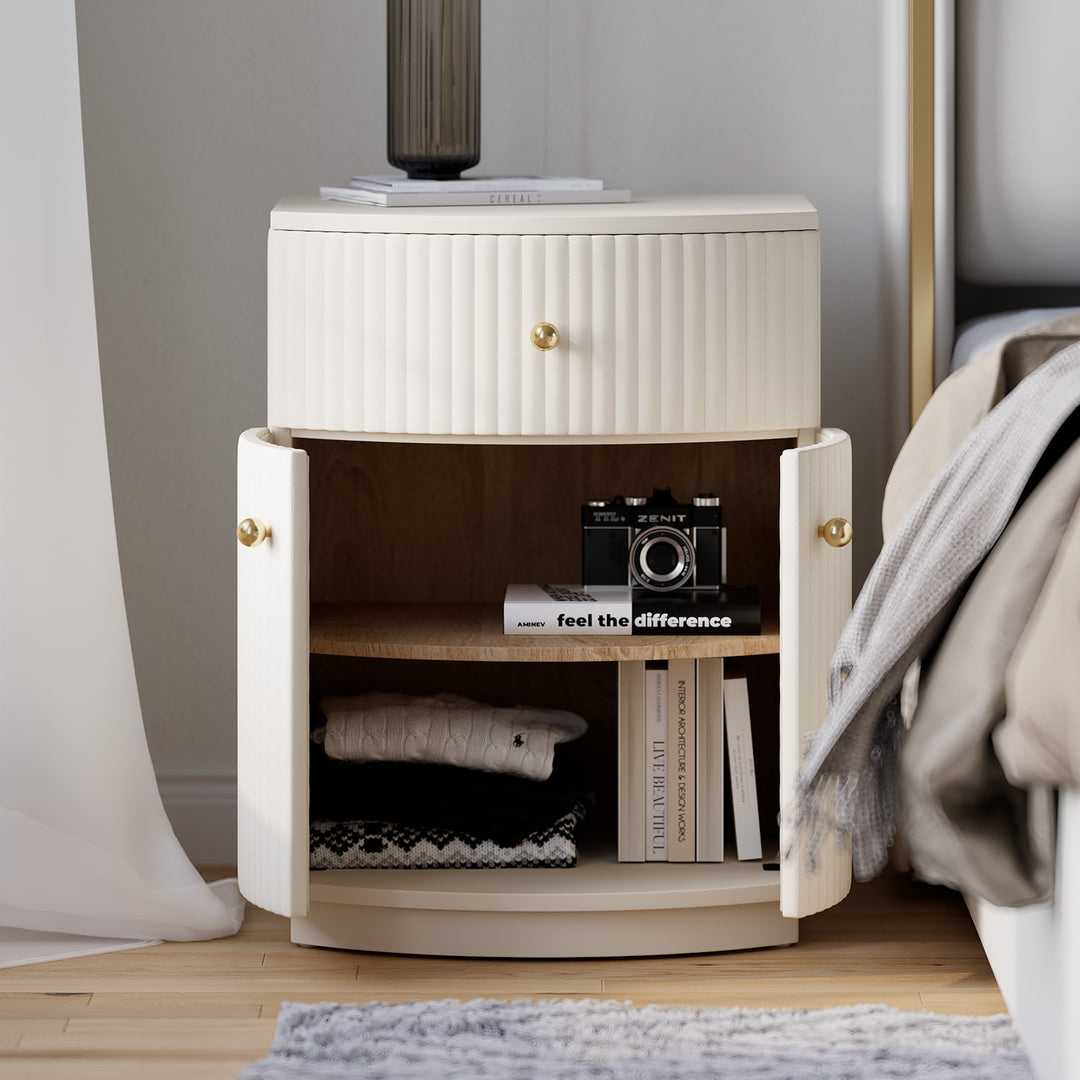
598	883
600	907
474	632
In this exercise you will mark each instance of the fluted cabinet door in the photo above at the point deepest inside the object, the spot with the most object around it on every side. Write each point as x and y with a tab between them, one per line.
429	334
815	600
272	676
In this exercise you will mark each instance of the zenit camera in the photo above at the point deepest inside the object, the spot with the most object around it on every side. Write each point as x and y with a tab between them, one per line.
652	542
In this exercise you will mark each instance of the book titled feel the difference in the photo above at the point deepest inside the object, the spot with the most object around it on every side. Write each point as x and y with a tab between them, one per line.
617	609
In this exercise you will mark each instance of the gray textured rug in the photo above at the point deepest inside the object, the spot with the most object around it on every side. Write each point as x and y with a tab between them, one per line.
607	1040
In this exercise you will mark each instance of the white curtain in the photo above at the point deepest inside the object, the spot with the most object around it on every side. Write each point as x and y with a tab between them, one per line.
85	845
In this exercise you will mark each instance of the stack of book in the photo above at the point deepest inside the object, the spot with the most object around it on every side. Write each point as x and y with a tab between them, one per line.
675	717
475	191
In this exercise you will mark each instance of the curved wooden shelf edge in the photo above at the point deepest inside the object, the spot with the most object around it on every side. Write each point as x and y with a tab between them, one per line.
474	632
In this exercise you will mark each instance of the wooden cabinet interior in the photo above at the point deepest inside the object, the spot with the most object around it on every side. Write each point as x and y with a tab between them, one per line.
454	523
589	689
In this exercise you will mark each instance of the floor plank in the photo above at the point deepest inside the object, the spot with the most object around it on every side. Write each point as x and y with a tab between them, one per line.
202	1010
162	1006
170	1037
19	1004
110	1067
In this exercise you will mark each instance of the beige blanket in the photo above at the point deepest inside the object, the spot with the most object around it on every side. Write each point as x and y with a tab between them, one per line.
960	403
995	719
1039	739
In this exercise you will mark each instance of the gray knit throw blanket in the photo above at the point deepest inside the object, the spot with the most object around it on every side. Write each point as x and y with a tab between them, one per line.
608	1040
848	778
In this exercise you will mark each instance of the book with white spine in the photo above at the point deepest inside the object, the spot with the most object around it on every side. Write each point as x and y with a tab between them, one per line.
389	183
632	778
741	769
656	753
567	609
682	808
710	760
470	198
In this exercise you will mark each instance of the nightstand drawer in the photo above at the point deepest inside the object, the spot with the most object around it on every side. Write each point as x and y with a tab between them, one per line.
654	334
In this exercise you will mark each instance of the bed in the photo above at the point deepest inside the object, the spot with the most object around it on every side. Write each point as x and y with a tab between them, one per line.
995	250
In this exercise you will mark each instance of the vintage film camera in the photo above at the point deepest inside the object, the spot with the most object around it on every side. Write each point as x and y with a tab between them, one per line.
653	543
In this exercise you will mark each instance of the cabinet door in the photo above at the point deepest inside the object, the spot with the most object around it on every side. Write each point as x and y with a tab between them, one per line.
272	677
815	600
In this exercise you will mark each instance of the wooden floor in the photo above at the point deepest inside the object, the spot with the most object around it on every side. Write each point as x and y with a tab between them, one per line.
202	1010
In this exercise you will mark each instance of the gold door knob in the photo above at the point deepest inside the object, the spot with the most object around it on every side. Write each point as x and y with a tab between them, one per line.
836	532
251	532
544	336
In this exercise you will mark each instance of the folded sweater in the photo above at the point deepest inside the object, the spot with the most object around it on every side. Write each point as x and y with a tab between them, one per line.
383	845
491	806
445	729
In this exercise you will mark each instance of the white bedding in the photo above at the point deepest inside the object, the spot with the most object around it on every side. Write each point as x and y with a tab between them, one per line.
990	331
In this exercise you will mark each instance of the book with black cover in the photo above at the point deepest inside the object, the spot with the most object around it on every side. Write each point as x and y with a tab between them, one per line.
731	609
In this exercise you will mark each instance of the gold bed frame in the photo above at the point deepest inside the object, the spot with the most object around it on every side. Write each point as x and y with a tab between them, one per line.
921	201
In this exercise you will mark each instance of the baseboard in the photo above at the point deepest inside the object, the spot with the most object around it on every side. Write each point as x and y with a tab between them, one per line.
202	810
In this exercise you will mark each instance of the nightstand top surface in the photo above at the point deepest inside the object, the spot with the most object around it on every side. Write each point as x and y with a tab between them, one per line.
645	214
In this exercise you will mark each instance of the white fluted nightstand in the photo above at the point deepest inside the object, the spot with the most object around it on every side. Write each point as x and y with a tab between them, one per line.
446	386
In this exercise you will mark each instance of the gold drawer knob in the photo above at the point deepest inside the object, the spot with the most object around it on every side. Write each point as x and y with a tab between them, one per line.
836	532
544	336
251	532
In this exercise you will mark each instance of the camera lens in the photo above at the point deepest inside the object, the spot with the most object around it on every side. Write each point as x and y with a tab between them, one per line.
661	558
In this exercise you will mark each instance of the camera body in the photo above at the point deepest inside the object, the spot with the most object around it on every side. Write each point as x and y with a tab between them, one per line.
654	543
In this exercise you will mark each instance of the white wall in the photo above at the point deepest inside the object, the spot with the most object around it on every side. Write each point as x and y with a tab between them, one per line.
199	115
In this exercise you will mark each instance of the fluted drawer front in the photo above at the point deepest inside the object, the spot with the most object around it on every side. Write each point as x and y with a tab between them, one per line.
429	334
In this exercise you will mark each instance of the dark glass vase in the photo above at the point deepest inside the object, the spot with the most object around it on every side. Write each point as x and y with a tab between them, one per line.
433	86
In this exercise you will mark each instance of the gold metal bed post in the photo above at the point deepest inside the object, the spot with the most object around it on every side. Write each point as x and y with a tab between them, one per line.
921	200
